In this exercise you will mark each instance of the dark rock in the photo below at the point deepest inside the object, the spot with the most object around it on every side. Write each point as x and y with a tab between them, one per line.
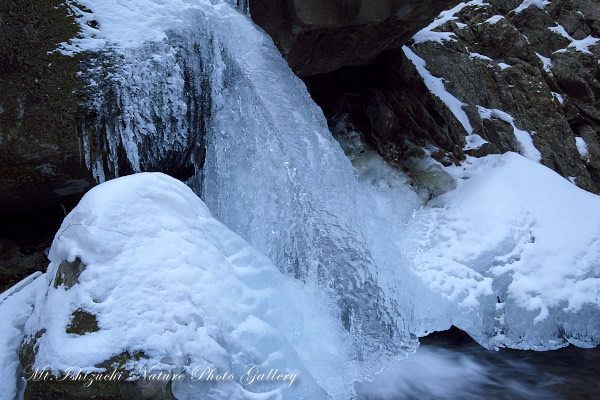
28	349
322	36
40	152
391	106
16	263
68	273
523	86
24	240
82	322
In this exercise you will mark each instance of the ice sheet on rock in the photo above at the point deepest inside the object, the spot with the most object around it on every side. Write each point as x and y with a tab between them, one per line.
16	305
519	233
387	203
163	277
147	83
275	175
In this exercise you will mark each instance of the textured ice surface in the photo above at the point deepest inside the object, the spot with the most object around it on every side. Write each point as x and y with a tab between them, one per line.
517	248
16	305
163	277
203	74
214	76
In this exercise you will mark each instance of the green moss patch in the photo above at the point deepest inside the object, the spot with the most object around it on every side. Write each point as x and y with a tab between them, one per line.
82	322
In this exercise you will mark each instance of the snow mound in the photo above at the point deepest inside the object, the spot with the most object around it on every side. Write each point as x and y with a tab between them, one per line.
517	247
162	277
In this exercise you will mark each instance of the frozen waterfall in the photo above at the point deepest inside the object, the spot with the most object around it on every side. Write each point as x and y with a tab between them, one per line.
273	173
195	89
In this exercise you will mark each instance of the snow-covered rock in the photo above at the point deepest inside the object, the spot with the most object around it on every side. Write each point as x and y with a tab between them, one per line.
142	279
517	249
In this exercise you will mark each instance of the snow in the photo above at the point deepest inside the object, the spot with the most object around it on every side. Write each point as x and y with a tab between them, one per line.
581	45
503	66
16	305
474	141
582	147
428	34
494	20
131	24
436	86
546	62
163	277
523	137
515	228
480	56
558	97
528	3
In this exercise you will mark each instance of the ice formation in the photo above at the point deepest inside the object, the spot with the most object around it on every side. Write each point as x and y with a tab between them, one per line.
274	174
509	252
215	79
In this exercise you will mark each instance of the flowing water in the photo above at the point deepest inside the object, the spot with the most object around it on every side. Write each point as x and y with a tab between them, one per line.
463	370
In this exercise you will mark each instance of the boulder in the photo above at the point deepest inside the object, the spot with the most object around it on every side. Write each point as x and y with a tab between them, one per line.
136	307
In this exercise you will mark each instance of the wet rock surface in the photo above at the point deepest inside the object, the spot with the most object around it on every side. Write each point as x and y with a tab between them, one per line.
40	151
322	36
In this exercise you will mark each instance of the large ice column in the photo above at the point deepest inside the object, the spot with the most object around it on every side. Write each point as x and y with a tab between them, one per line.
273	172
275	175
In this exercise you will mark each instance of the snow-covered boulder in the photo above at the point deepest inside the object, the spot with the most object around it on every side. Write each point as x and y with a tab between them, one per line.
516	250
152	296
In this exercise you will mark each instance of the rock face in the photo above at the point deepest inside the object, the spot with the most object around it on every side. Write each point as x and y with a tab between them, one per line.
322	36
40	151
538	67
389	103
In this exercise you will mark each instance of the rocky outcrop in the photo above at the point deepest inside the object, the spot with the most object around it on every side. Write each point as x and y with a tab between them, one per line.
40	151
389	103
322	36
515	67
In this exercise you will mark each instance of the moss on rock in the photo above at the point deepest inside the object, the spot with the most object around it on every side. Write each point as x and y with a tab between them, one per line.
112	384
39	145
82	322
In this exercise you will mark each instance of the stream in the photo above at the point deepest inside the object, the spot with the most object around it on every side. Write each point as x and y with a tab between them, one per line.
461	369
